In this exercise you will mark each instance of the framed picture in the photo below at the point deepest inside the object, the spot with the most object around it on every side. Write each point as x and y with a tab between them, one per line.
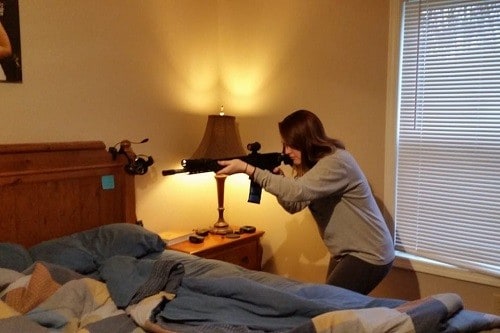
10	42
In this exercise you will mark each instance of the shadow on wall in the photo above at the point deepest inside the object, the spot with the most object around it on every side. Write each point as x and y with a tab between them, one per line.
303	256
399	283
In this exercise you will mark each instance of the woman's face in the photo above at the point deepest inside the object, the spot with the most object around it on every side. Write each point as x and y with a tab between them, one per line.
294	154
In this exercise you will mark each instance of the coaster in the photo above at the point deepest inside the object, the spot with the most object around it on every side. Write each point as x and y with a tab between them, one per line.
196	239
247	229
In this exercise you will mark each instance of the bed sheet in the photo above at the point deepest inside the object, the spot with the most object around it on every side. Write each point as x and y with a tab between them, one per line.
261	301
171	291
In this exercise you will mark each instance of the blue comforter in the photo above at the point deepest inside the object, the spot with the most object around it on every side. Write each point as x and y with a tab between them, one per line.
201	295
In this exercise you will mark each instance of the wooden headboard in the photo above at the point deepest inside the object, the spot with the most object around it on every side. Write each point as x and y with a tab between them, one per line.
49	190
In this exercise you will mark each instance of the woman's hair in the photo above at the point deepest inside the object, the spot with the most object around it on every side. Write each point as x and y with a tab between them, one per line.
303	130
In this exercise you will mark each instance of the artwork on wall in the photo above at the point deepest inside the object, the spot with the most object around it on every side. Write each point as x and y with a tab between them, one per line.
10	42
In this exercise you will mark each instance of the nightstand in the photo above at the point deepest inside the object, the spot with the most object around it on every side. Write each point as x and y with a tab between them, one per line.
245	251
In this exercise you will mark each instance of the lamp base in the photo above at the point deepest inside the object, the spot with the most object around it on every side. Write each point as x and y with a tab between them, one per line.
221	229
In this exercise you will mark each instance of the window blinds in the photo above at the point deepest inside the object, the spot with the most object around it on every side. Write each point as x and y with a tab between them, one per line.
448	163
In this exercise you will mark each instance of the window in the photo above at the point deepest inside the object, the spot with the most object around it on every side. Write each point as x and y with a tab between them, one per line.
447	204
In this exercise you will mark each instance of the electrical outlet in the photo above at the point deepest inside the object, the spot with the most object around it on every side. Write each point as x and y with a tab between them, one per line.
496	304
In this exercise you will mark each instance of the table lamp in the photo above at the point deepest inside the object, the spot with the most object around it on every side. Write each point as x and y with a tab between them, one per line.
220	141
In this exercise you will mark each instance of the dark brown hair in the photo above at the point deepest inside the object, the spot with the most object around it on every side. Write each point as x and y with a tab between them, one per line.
303	130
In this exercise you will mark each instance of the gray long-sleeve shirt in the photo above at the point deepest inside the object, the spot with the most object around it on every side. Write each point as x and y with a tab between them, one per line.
340	200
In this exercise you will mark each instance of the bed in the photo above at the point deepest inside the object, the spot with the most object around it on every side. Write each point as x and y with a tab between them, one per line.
74	258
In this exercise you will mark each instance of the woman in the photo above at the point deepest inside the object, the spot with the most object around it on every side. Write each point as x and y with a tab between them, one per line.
329	181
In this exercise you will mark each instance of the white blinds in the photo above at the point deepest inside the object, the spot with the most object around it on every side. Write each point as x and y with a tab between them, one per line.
448	163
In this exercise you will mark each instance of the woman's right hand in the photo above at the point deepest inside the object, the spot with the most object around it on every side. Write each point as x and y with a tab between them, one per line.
278	171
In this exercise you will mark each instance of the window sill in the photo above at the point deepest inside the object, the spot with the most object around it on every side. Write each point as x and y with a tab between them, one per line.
423	265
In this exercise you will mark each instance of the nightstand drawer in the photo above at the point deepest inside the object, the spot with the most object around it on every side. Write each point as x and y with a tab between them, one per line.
246	255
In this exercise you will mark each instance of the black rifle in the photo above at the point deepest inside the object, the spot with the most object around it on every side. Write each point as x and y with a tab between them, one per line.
267	161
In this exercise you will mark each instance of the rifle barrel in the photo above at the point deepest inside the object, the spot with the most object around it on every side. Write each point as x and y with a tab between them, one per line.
170	172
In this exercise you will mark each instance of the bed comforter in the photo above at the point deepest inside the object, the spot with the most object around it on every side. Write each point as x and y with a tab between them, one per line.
173	292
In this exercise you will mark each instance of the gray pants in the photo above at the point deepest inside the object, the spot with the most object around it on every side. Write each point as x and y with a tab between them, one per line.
355	274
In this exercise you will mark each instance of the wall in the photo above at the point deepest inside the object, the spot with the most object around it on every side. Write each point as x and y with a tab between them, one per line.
283	55
126	69
122	69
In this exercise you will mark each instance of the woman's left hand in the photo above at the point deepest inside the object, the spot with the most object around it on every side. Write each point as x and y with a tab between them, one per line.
232	166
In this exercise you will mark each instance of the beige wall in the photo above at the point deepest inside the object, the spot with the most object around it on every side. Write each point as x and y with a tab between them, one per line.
126	69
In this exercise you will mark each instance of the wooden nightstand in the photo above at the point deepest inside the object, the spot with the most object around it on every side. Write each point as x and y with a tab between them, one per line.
245	251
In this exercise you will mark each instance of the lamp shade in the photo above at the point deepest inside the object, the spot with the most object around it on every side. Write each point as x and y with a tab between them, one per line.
221	139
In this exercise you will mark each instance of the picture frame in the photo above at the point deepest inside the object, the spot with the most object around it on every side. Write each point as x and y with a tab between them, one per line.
10	42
